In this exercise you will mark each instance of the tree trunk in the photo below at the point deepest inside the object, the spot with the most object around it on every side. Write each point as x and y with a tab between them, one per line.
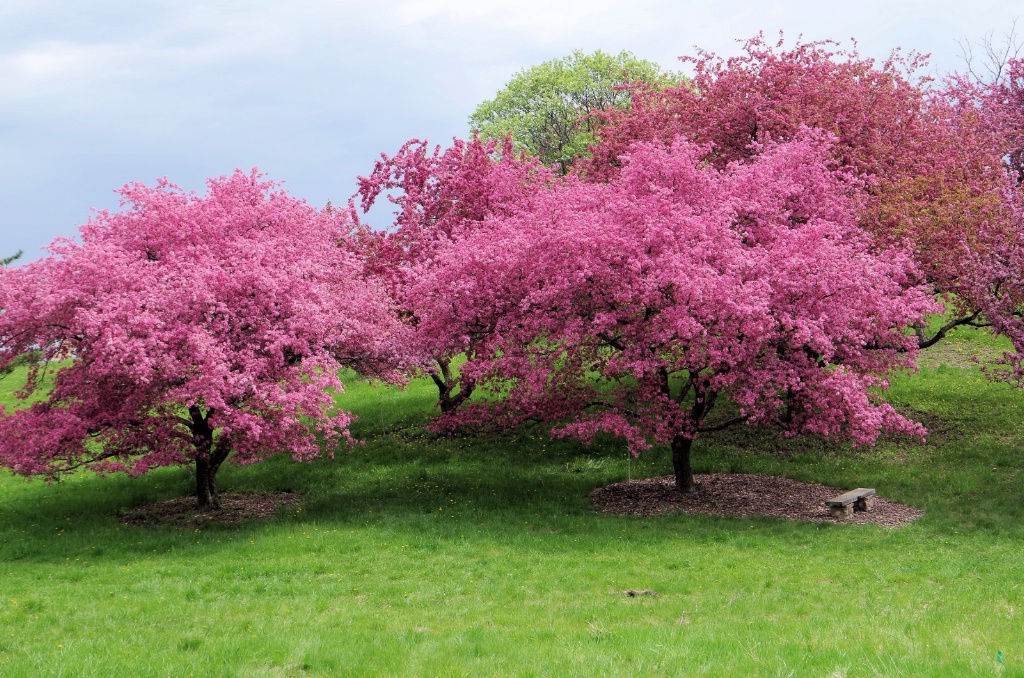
206	485
449	403
448	400
681	464
208	460
703	402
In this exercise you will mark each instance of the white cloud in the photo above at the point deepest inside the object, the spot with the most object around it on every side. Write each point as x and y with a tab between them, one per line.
93	94
48	60
48	63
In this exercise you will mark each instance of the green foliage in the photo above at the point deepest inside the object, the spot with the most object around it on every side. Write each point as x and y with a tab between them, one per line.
546	107
6	261
416	555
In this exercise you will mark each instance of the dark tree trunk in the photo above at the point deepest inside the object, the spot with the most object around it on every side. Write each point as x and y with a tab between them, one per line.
206	485
681	464
449	400
449	403
208	460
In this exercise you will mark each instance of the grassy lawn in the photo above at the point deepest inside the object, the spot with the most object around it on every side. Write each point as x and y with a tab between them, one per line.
481	556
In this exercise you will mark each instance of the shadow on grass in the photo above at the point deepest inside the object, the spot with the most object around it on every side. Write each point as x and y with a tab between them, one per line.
969	476
512	487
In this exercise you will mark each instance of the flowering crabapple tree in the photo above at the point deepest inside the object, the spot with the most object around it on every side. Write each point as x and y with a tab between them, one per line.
1001	106
994	82
930	172
995	263
680	298
191	329
443	197
997	269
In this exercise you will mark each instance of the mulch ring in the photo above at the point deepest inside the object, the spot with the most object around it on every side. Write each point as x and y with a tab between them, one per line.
235	508
741	495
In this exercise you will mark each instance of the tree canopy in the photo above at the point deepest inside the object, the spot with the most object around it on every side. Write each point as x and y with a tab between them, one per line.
633	306
194	329
445	196
548	108
932	174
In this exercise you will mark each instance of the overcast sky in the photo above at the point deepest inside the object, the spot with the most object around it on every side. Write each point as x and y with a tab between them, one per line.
96	94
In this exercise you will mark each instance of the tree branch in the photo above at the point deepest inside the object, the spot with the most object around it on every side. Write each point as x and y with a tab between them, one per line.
925	342
723	425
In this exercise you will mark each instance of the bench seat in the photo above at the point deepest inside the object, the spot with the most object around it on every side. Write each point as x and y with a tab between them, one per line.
854	500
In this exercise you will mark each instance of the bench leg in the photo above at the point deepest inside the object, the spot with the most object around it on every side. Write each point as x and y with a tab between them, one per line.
841	511
863	504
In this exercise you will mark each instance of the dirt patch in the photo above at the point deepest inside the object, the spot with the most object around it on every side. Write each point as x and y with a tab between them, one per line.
235	508
633	593
742	495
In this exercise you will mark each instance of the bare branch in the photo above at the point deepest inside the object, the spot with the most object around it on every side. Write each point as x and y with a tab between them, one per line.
996	54
971	320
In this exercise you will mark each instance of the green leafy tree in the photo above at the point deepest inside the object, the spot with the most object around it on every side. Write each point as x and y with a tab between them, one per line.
11	259
547	108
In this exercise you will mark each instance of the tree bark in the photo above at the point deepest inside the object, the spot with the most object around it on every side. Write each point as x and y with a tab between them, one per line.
208	460
206	485
447	401
704	401
681	464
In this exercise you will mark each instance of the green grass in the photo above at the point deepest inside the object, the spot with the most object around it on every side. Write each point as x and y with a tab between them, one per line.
15	380
481	556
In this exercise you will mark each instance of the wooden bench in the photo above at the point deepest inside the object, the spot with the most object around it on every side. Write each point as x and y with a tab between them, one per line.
855	500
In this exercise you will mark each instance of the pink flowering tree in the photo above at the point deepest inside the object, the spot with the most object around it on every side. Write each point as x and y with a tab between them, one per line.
932	176
997	272
1004	110
680	298
999	104
994	262
191	329
444	197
